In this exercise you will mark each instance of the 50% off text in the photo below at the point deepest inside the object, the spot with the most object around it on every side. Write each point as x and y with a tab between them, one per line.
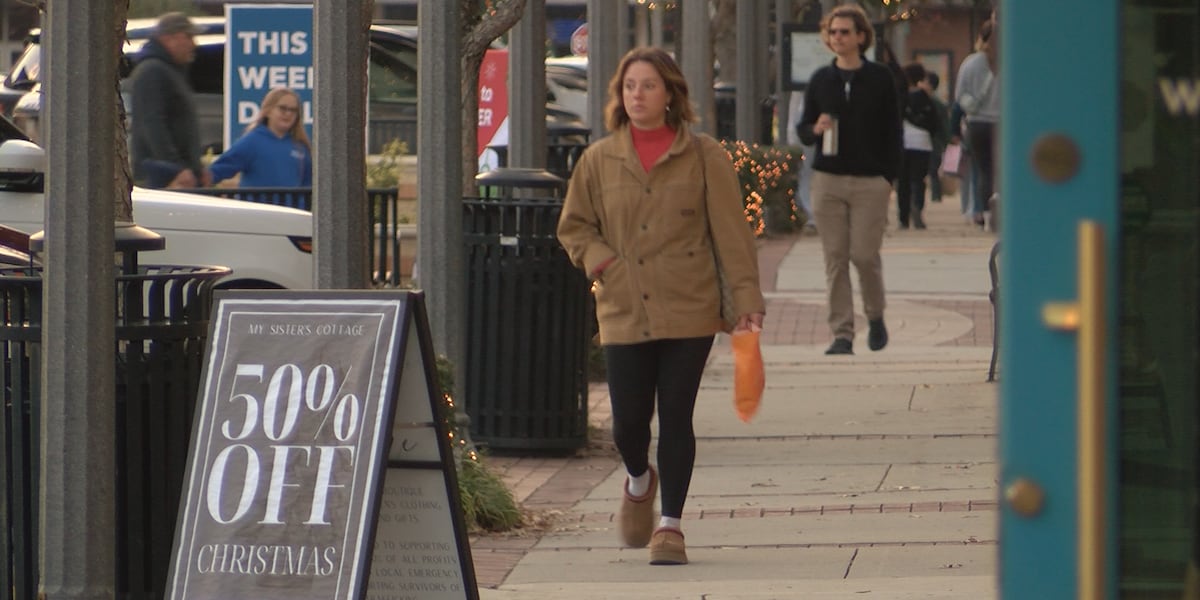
302	431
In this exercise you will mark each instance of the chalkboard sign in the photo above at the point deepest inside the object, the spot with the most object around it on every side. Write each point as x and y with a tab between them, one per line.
305	399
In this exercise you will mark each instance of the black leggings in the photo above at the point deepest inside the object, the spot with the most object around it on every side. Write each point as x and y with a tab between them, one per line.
910	190
670	369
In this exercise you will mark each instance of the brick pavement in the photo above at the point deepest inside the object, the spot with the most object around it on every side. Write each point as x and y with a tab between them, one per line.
547	486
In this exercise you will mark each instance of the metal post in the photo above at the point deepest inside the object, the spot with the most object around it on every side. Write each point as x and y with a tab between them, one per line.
439	193
78	403
783	14
748	69
624	29
340	213
656	25
602	60
762	68
527	89
696	62
641	25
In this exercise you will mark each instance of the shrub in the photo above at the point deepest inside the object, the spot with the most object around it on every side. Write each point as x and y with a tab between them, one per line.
385	171
767	175
487	503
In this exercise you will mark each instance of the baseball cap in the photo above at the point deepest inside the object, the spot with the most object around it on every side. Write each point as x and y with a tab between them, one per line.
175	22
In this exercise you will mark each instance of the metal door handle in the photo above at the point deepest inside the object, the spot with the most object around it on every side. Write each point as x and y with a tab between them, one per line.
1091	408
1086	316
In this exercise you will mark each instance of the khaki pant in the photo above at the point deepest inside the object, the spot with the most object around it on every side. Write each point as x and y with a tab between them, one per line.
851	213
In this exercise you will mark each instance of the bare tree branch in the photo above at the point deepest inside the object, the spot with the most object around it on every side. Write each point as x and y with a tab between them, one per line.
482	23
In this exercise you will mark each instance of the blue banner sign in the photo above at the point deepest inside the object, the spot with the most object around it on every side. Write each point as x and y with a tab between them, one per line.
266	46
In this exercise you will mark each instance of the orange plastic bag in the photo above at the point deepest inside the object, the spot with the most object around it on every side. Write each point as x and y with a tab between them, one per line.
749	380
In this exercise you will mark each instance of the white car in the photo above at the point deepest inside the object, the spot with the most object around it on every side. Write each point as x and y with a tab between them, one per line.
566	80
265	246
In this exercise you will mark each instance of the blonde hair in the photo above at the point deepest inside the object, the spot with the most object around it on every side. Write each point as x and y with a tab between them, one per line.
679	111
269	102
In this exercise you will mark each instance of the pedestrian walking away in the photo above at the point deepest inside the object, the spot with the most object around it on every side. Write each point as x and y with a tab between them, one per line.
274	151
851	114
920	126
164	131
940	139
653	213
977	92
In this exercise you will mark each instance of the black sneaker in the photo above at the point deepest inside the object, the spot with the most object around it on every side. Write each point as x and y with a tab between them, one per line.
841	346
877	337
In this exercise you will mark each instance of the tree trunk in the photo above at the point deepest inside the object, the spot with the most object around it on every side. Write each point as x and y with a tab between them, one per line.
123	180
724	39
481	26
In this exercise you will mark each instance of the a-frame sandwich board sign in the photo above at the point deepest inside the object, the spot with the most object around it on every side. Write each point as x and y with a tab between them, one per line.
318	418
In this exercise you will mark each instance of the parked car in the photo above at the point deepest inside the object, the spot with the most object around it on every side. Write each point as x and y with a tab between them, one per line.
14	248
266	246
391	95
567	84
21	78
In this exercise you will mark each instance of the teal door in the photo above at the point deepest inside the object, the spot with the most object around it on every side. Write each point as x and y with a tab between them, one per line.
1100	148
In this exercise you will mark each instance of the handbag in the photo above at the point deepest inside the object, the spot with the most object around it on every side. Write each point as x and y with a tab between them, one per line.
727	313
749	379
952	160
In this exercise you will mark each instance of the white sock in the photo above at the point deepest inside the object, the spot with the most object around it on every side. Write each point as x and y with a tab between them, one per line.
638	486
671	522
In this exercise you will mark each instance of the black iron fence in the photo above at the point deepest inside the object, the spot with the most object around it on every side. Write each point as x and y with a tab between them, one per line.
382	131
389	234
161	329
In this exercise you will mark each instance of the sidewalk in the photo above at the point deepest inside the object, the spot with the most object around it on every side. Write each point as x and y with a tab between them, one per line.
871	475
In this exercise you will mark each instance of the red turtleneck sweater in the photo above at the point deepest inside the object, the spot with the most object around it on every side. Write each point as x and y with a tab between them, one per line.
651	144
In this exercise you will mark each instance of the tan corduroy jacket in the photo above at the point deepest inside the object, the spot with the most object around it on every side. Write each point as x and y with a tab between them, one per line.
663	281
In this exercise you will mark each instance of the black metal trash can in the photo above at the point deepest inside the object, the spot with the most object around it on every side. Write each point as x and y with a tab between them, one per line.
528	317
725	101
161	330
564	145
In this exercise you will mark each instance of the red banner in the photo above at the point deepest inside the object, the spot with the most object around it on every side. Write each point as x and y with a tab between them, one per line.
493	100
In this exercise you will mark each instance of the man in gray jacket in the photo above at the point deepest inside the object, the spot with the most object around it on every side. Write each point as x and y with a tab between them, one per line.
165	134
977	92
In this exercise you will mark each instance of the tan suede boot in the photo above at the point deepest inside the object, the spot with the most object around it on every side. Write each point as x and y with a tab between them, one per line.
667	547
636	515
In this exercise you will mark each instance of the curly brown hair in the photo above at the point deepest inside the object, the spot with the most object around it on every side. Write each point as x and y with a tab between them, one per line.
855	13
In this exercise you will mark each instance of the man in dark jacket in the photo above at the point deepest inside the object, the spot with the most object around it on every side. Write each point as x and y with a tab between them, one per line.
851	113
165	136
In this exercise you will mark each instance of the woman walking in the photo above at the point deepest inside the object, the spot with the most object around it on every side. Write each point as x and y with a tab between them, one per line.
650	212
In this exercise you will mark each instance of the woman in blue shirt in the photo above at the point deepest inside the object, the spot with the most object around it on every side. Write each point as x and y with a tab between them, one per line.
274	151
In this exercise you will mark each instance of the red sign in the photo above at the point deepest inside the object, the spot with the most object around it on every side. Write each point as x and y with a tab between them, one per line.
493	100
